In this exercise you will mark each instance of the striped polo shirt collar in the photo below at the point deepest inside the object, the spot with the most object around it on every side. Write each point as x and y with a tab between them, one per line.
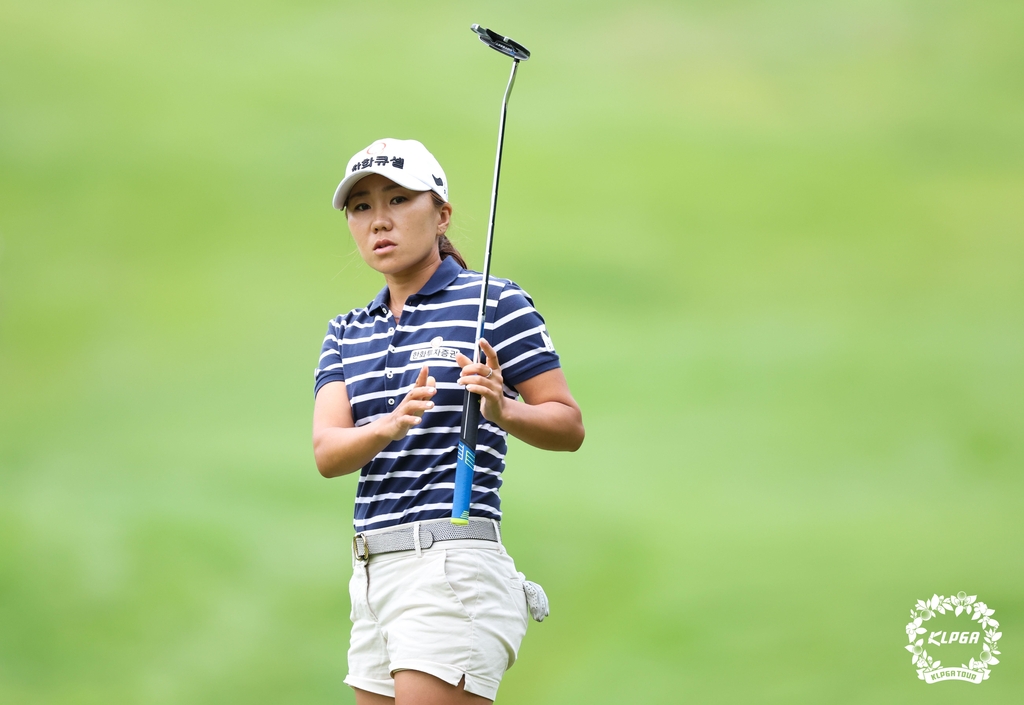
442	277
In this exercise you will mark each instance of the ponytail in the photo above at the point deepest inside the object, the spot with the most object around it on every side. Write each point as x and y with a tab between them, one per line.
445	248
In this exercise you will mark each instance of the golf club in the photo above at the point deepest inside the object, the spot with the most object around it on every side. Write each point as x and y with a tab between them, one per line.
471	402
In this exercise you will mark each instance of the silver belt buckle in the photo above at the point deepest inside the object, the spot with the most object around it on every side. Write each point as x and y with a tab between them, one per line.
362	555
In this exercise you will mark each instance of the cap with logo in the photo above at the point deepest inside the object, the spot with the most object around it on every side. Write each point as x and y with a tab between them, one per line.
406	162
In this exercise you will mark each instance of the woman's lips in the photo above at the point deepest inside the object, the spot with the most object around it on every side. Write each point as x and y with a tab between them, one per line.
382	247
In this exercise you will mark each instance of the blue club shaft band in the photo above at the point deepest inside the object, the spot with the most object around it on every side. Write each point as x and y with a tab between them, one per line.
463	482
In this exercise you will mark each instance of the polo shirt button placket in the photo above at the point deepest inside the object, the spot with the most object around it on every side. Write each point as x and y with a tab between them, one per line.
388	371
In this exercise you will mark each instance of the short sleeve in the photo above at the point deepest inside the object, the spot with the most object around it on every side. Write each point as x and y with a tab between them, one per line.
520	337
329	367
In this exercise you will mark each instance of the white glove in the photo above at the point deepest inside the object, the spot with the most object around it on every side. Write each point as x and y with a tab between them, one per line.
536	599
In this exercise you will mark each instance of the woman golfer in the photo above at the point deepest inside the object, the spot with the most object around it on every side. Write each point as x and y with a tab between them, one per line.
438	610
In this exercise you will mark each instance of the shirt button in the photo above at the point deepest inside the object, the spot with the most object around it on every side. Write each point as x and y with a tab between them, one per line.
391	330
391	402
390	374
391	348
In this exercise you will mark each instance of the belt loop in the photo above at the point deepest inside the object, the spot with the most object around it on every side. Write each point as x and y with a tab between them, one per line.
416	538
497	533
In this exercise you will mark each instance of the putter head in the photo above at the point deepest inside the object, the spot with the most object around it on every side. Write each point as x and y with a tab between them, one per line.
502	44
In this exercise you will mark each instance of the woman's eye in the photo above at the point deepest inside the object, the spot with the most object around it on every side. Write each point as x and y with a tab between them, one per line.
360	207
399	199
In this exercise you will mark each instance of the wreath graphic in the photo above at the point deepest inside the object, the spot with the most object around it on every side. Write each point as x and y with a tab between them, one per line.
960	603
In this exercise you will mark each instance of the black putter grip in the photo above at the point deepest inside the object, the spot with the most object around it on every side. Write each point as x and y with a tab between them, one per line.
470	419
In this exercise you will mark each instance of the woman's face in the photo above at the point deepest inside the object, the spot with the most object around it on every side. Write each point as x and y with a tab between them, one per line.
394	228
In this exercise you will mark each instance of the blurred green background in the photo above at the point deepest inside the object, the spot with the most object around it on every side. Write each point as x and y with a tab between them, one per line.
779	246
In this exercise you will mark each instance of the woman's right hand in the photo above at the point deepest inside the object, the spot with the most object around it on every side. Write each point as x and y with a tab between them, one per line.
410	411
340	447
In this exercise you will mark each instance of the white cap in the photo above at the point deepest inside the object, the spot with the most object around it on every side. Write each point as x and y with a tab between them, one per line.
406	162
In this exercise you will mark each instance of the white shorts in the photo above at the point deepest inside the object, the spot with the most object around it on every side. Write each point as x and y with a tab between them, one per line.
458	609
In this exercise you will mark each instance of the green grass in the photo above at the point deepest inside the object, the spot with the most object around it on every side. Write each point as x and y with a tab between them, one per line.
778	246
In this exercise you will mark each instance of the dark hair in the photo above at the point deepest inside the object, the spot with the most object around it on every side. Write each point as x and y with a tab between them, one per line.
444	246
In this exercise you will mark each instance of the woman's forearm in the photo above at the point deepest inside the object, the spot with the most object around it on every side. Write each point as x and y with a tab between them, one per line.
340	451
550	425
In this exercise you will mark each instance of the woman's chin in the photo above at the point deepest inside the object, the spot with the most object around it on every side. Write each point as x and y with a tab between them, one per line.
388	265
390	261
385	260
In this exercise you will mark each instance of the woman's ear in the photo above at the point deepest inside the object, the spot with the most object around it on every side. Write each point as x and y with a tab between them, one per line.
445	219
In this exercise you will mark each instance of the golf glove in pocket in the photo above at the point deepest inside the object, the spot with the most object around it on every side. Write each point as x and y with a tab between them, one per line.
536	599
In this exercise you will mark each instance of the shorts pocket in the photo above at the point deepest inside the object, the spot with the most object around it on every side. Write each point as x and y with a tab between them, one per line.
357	595
517	591
454	576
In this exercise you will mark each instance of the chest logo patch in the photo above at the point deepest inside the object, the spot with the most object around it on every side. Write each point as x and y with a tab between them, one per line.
435	351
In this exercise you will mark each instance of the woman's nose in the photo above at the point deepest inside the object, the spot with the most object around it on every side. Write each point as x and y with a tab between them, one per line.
380	224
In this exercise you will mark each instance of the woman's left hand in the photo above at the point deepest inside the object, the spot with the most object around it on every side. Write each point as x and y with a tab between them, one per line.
485	380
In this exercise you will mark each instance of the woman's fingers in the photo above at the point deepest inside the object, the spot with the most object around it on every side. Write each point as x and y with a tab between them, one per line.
415	403
424	392
468	366
425	387
479	389
415	408
477	368
485	380
492	357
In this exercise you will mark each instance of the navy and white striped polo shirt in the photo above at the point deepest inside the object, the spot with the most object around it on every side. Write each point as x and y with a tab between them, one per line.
412	479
